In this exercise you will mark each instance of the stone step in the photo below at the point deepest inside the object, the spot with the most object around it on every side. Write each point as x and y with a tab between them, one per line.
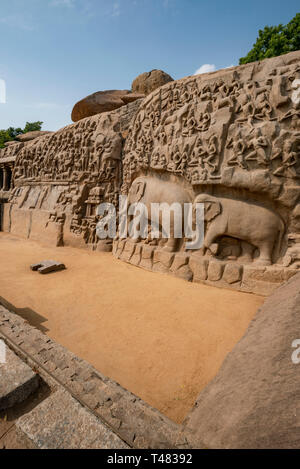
60	422
17	380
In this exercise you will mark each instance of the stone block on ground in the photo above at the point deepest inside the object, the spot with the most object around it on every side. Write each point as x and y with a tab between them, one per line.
180	266
17	380
60	422
215	271
136	257
147	257
104	245
162	260
128	251
232	273
45	267
199	266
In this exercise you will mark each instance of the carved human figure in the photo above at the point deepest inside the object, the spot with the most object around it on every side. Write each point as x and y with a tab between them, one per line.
260	146
239	147
212	160
289	159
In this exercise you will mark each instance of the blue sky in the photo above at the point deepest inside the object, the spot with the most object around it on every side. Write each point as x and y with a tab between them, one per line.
55	52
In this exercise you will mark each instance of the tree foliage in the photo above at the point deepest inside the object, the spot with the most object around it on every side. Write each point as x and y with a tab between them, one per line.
11	133
275	40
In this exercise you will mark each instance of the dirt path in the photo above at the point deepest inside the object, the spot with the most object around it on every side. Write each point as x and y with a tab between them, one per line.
160	337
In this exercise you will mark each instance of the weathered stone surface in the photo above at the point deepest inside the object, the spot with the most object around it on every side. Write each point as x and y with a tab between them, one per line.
253	402
162	260
228	140
232	273
140	421
147	257
180	266
60	422
17	380
8	144
103	101
137	255
32	135
199	267
128	251
45	267
215	271
149	81
54	199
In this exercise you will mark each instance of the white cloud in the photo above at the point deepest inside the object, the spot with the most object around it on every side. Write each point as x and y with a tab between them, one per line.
205	68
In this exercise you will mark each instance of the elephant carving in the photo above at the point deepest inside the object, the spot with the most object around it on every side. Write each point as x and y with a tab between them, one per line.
242	220
149	190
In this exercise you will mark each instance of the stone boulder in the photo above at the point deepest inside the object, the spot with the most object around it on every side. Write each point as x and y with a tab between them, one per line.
32	135
102	101
9	144
253	402
149	81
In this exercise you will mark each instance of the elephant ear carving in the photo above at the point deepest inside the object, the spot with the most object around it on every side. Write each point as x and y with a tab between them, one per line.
212	210
139	189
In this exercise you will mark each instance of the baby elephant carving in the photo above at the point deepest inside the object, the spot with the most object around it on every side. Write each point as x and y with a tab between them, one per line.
246	221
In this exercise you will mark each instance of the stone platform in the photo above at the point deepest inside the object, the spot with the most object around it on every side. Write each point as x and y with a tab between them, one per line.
17	380
82	398
249	278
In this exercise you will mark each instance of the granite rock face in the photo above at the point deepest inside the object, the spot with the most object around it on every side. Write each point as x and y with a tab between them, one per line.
17	380
60	422
253	402
27	137
61	178
149	81
229	140
103	101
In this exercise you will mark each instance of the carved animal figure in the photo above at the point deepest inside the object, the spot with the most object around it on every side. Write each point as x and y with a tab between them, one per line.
246	221
149	189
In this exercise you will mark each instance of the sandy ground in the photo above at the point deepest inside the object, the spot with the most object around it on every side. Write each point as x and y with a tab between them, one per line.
160	337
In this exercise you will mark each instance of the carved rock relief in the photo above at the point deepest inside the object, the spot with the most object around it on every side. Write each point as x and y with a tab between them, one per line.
231	135
233	138
67	174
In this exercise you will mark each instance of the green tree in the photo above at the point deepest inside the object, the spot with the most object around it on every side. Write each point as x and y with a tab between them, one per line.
31	126
275	40
11	133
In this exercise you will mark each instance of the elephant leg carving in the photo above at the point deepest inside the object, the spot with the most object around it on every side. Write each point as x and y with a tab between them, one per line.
265	254
247	252
171	245
210	237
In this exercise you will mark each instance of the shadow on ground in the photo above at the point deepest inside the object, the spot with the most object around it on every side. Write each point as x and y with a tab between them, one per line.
34	318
